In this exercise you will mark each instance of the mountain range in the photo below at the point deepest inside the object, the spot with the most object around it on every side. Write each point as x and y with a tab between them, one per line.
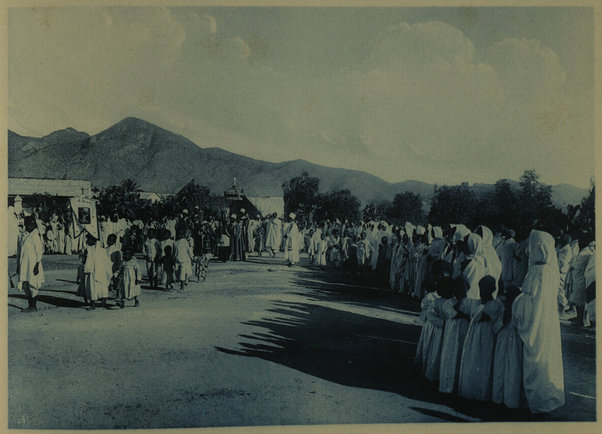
161	161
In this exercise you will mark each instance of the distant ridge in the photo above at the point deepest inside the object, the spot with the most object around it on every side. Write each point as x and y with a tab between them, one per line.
162	162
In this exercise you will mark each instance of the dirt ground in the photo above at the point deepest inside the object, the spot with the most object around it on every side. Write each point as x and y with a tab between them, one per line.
257	343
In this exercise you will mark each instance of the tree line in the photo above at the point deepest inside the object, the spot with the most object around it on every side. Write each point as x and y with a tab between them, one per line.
520	208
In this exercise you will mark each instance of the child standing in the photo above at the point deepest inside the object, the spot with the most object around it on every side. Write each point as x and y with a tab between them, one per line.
457	311
508	358
168	263
475	380
321	253
97	271
427	327
183	259
436	316
116	259
129	279
152	249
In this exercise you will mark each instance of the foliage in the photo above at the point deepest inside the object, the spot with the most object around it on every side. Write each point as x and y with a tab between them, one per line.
301	195
338	205
583	224
406	207
535	198
452	204
129	185
46	205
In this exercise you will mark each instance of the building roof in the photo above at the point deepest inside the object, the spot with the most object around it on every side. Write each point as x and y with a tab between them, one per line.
54	187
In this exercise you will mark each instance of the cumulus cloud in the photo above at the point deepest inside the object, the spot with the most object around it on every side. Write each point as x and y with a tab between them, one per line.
422	104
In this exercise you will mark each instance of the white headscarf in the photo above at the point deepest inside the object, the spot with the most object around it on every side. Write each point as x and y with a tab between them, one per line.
536	316
475	270
493	265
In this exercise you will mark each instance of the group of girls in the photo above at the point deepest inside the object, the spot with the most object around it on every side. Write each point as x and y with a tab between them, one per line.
507	349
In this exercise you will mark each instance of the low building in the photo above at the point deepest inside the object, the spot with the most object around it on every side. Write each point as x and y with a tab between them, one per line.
54	187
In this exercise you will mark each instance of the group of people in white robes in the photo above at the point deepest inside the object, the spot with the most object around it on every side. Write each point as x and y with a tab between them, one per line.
503	349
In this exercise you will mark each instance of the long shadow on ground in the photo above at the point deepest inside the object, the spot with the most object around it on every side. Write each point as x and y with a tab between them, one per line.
353	350
55	301
356	350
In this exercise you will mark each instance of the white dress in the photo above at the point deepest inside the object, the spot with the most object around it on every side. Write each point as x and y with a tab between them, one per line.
454	335
436	317
507	385
538	325
475	379
427	328
98	267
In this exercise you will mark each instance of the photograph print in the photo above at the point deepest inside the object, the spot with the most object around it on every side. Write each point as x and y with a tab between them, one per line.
275	216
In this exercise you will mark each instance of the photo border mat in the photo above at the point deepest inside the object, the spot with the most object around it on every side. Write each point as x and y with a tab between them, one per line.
547	427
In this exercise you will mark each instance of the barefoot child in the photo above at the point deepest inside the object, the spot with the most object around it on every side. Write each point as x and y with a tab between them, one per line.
129	279
475	380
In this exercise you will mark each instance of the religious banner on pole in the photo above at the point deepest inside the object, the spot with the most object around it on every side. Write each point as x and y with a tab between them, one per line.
84	216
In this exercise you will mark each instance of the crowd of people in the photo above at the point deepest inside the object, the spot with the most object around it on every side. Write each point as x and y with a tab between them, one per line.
491	303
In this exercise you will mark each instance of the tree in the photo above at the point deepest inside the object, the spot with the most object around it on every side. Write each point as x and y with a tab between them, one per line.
504	197
584	222
452	204
535	198
129	185
338	204
534	194
300	194
369	212
191	196
406	207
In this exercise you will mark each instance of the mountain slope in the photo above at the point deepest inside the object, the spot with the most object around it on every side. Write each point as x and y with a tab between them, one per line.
162	161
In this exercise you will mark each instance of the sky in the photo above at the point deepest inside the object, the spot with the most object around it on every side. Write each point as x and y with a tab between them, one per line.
440	95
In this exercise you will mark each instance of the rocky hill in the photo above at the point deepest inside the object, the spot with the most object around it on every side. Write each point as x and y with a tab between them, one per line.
162	162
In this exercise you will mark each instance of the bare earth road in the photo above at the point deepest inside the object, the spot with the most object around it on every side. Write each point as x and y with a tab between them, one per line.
258	343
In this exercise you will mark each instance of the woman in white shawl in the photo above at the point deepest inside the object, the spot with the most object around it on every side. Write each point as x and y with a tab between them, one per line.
538	326
493	265
474	267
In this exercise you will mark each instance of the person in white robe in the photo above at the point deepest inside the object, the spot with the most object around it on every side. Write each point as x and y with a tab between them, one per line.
476	380
364	251
29	267
564	255
183	256
474	268
578	286
536	312
322	249
292	246
590	290
505	252
129	279
273	234
493	265
507	385
12	233
458	311
436	316
97	272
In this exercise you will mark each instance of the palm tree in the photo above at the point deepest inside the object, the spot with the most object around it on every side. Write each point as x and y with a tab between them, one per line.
129	185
